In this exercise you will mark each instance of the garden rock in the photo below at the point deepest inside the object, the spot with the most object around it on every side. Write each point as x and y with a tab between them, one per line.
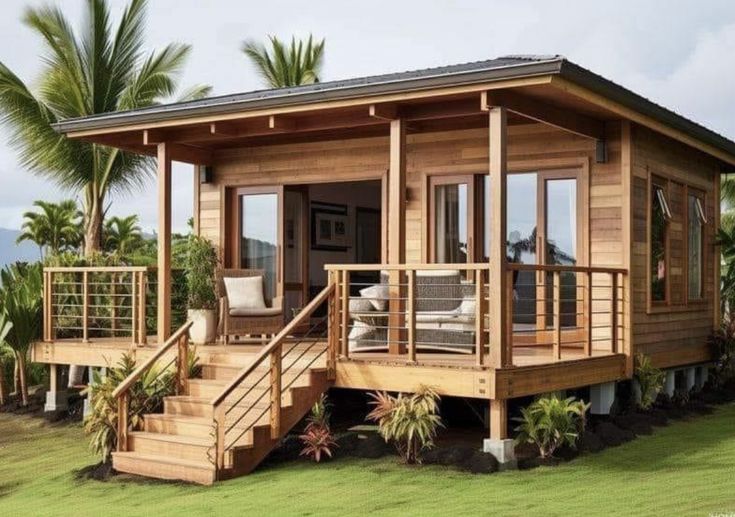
347	443
590	442
372	446
481	463
455	455
611	435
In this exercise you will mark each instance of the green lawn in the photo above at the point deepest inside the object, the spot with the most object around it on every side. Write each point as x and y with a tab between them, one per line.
685	469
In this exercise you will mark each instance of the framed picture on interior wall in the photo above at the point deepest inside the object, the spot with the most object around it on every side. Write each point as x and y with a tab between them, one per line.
330	229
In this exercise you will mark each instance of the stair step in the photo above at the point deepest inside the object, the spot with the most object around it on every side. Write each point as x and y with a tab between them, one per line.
202	406
211	388
163	467
227	371
190	448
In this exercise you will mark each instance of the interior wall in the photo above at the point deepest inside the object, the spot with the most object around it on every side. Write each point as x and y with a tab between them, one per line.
365	194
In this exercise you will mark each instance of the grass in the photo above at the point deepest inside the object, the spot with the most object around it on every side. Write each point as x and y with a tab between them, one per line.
687	468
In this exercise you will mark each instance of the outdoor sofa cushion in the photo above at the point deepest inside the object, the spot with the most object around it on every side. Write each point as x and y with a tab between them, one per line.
262	312
245	293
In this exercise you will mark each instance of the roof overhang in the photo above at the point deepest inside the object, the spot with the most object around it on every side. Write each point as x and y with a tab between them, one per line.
555	72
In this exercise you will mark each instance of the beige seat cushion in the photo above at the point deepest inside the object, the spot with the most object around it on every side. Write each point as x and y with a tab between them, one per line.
244	293
268	311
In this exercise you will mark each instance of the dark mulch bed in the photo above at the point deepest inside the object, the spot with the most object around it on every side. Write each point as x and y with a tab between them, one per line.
98	472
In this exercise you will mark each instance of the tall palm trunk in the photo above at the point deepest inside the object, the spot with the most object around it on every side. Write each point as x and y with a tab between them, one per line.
20	361
93	221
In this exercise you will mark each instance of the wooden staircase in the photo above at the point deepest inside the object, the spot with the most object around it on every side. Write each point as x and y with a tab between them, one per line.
224	424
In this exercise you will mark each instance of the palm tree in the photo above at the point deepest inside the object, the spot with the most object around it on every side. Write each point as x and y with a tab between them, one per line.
96	70
20	303
54	228
5	327
122	234
282	66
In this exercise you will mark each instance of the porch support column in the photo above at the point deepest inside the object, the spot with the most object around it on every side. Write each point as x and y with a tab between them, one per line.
164	242
397	234
497	310
56	396
499	445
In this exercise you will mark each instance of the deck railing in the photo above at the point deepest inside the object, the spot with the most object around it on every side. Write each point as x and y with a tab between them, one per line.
552	312
92	302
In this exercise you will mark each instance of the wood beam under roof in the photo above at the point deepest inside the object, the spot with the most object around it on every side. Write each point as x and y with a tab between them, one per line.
546	113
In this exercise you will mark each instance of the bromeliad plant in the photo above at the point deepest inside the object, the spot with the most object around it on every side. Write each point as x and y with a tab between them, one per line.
317	437
551	422
146	395
409	421
650	380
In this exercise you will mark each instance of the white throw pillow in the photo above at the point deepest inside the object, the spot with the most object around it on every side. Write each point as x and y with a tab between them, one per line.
377	294
245	292
467	307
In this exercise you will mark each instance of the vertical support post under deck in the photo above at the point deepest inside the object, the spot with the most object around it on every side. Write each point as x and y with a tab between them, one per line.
498	419
396	234
498	260
164	243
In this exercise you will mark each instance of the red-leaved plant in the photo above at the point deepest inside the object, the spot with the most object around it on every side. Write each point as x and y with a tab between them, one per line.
317	438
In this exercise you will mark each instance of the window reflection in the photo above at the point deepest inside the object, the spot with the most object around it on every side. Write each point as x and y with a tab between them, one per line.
259	236
451	223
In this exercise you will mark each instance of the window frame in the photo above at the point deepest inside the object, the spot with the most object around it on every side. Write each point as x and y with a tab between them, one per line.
701	207
661	186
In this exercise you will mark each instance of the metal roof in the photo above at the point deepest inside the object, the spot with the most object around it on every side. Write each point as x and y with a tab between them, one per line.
506	67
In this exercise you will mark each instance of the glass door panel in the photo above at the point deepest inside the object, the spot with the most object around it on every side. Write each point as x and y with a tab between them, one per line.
560	245
259	236
521	239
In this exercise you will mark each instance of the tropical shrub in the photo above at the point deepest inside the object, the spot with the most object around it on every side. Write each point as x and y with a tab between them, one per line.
317	436
409	421
551	422
722	343
146	396
200	266
650	380
20	302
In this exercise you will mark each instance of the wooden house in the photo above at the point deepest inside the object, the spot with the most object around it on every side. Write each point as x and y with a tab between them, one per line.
496	230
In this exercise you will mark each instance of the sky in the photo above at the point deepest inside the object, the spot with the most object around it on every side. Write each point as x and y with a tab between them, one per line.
677	53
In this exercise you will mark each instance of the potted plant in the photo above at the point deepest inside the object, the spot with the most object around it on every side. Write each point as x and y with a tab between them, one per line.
202	300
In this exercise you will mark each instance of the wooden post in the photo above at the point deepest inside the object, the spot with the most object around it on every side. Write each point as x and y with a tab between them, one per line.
164	243
588	315
122	421
51	327
480	311
498	419
46	304
142	297
220	414
498	259
134	309
182	363
275	378
85	307
614	348
332	325
557	315
345	313
396	235
113	304
411	310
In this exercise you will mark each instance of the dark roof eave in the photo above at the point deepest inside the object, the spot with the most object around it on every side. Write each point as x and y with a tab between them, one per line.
177	111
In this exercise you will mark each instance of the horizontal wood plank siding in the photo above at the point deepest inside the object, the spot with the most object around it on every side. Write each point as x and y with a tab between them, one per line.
677	334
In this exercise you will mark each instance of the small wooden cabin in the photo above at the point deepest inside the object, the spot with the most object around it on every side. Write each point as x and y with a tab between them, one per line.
495	229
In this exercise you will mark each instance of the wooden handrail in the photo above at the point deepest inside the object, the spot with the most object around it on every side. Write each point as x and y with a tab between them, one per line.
477	266
274	344
133	377
97	269
569	269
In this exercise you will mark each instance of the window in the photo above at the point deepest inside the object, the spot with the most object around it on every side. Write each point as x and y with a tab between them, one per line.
696	219
659	219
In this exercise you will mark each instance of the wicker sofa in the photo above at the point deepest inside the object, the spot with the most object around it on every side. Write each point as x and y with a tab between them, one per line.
445	314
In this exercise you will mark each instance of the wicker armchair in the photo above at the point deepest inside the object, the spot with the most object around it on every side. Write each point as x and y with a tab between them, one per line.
253	322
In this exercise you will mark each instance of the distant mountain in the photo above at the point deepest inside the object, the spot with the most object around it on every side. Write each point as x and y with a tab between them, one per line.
11	252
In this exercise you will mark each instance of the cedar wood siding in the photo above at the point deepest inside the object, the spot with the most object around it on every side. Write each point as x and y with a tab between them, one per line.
674	335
